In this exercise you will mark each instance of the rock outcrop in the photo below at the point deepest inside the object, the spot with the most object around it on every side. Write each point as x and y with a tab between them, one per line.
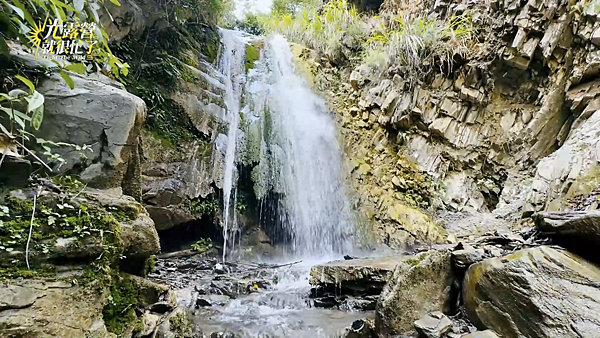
538	292
100	113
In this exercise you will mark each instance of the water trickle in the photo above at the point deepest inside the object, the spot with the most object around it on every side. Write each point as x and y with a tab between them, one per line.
232	67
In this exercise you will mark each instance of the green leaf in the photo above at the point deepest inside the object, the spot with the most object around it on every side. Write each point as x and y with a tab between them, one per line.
16	93
15	9
14	115
37	117
117	3
78	68
4	47
5	131
67	79
26	82
78	5
35	100
28	16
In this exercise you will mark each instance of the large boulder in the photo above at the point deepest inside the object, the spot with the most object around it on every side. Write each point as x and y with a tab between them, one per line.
36	308
417	286
539	292
98	112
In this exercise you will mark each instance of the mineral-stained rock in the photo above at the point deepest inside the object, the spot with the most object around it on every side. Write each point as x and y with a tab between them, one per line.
434	325
418	285
538	292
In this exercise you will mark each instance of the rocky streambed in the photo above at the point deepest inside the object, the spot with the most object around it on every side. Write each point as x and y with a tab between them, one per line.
497	285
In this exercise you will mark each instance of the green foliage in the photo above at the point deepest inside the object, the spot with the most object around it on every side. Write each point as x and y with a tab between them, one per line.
56	219
251	24
204	207
327	29
68	183
150	264
18	17
119	312
202	244
420	43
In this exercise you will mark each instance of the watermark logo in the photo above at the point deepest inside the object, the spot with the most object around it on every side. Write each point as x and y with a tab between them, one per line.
64	40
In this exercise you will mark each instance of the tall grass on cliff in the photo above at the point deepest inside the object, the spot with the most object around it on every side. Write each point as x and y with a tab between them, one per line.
326	29
419	44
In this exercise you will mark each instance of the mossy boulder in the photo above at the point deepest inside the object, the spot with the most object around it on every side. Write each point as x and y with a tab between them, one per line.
539	292
417	286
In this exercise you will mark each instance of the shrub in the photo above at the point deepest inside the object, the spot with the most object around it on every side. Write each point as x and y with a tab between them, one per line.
325	29
419	44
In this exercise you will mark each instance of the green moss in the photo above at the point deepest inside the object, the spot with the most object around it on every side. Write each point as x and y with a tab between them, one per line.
188	61
52	220
149	264
252	54
180	325
414	261
119	312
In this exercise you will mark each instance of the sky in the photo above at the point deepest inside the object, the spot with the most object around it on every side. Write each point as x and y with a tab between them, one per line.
250	6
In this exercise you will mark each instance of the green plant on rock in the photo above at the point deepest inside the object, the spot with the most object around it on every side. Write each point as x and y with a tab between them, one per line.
327	29
202	244
204	207
417	44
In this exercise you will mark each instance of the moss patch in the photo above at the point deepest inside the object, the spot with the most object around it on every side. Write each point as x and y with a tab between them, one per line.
119	312
252	54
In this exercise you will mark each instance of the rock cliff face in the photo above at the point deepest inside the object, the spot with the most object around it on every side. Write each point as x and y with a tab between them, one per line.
509	129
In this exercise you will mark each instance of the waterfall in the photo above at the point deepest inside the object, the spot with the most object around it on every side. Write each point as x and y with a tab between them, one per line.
233	70
289	138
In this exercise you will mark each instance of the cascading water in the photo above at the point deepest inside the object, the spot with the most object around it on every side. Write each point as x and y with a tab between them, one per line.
233	70
300	158
283	131
290	139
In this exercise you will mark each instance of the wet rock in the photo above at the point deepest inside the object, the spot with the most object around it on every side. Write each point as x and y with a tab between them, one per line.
464	258
360	328
582	225
211	300
510	294
434	325
220	269
354	276
423	283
